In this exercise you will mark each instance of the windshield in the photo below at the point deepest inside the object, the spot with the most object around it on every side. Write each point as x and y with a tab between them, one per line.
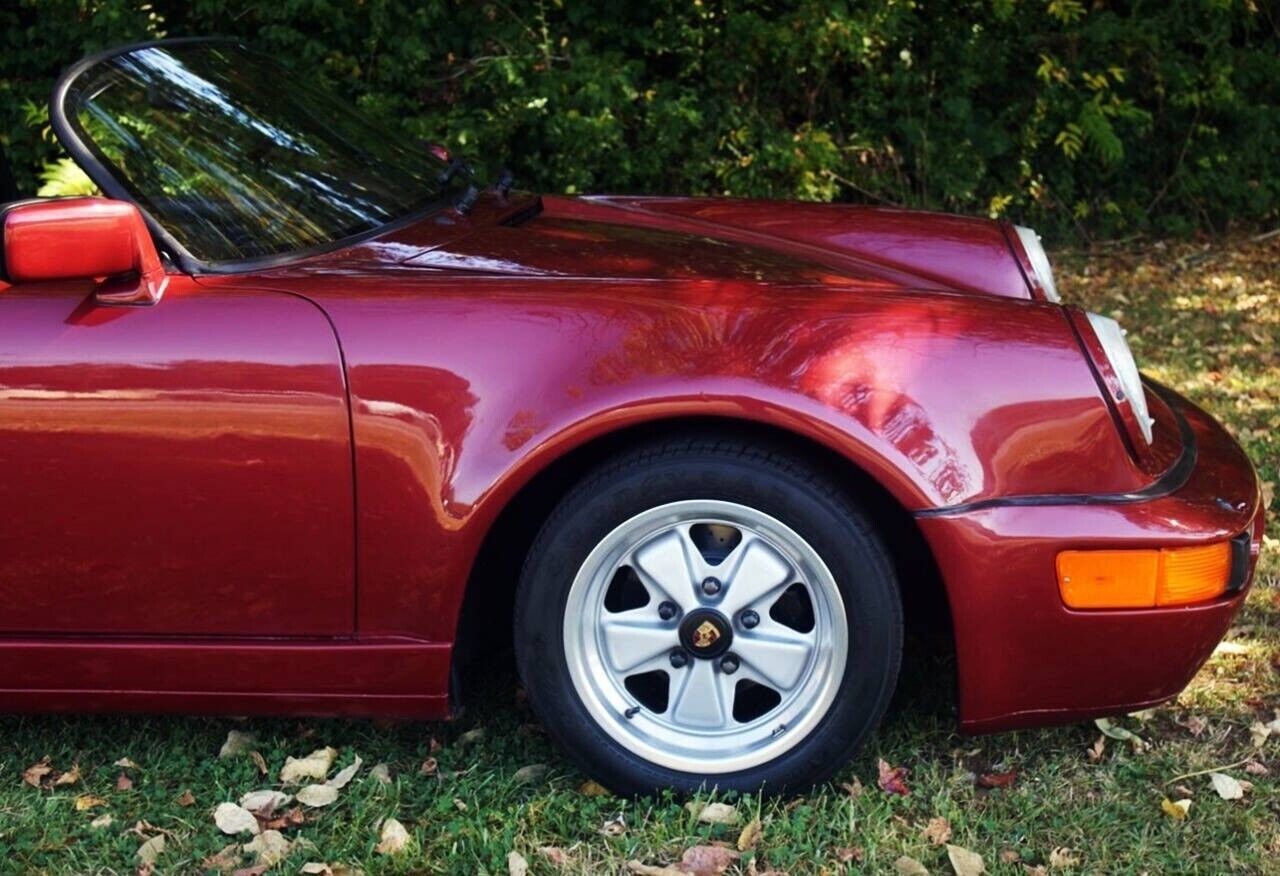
238	159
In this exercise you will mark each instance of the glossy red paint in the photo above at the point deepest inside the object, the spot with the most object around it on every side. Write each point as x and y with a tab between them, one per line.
318	450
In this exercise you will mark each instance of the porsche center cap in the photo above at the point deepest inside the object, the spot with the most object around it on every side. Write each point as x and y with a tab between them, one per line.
706	633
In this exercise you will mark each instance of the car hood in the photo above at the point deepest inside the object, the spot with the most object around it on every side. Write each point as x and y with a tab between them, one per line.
628	238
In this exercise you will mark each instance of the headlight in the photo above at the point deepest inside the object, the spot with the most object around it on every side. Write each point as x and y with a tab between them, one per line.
1040	266
1120	357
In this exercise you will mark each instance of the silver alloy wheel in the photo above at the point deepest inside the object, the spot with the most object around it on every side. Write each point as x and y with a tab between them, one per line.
748	608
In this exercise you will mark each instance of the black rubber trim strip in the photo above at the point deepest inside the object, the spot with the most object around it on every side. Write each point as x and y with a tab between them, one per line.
1240	546
1174	478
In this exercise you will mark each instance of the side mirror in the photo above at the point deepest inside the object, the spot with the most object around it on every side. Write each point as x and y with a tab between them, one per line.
83	239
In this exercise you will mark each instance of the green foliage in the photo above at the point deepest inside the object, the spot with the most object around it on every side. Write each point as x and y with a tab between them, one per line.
1098	118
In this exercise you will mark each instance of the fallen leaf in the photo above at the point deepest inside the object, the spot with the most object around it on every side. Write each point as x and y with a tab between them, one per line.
592	788
224	861
256	870
906	866
713	813
965	862
1227	787
853	789
88	801
70	777
123	782
429	767
750	835
706	860
150	850
1254	768
531	773
556	855
34	774
997	780
316	868
434	746
1009	856
126	764
1195	725
470	736
1096	750
1115	731
292	818
516	864
937	831
268	848
316	796
102	821
237	744
232	819
1258	733
845	854
1061	858
259	761
643	869
186	799
264	802
1177	811
381	773
345	775
1182	792
393	840
314	766
892	780
614	826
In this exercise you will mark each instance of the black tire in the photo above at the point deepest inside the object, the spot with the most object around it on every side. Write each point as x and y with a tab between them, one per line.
771	480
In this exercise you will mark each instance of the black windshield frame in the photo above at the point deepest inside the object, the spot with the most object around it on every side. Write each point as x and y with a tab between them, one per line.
97	166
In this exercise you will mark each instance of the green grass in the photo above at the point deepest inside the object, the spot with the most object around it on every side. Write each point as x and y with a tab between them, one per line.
1205	320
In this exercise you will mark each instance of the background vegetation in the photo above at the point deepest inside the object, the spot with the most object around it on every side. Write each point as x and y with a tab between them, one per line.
1084	118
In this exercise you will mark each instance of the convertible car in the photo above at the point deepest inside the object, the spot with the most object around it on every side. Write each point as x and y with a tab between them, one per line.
300	414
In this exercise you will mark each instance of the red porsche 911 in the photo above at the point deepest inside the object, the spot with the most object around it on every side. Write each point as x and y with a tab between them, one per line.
301	413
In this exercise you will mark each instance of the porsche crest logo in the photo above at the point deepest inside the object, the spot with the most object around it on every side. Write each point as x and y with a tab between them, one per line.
705	635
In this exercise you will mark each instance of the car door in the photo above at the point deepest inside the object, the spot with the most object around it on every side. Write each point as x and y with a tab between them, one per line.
180	469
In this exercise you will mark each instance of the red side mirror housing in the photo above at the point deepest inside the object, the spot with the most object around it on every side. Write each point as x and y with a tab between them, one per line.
84	238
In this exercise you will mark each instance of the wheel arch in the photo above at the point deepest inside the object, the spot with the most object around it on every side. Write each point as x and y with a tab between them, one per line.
509	536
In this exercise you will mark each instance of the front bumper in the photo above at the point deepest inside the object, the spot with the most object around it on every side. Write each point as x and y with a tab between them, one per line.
1025	659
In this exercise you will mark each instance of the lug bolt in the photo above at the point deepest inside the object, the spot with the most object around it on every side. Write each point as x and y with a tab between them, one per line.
711	586
729	664
668	610
679	659
749	620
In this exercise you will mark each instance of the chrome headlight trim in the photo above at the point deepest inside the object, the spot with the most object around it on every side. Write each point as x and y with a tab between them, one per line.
1034	248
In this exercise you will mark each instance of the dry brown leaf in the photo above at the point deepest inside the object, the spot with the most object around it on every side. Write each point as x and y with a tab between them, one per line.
268	848
906	866
256	870
1177	811
1062	858
224	861
991	781
937	831
346	774
531	773
317	796
89	801
434	746
964	861
34	775
471	736
614	826
381	773
237	744
429	767
393	840
750	836
853	789
706	860
1258	733
1254	768
1009	856
845	854
150	850
123	782
592	788
316	868
1195	725
264	802
892	780
315	765
292	818
556	855
259	761
186	798
232	819
102	821
1226	787
643	869
1096	750
126	764
713	813
516	864
70	777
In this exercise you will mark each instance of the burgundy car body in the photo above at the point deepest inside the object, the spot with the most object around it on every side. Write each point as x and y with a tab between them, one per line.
267	492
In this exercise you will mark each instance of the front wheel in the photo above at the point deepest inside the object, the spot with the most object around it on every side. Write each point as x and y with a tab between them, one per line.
703	614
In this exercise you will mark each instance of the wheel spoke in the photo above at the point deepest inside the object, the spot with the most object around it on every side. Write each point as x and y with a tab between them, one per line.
633	638
668	564
701	699
755	571
776	652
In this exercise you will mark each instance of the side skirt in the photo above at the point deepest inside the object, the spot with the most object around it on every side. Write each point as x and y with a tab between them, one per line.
392	677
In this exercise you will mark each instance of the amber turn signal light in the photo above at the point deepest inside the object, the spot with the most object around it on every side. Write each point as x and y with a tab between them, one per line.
1143	578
